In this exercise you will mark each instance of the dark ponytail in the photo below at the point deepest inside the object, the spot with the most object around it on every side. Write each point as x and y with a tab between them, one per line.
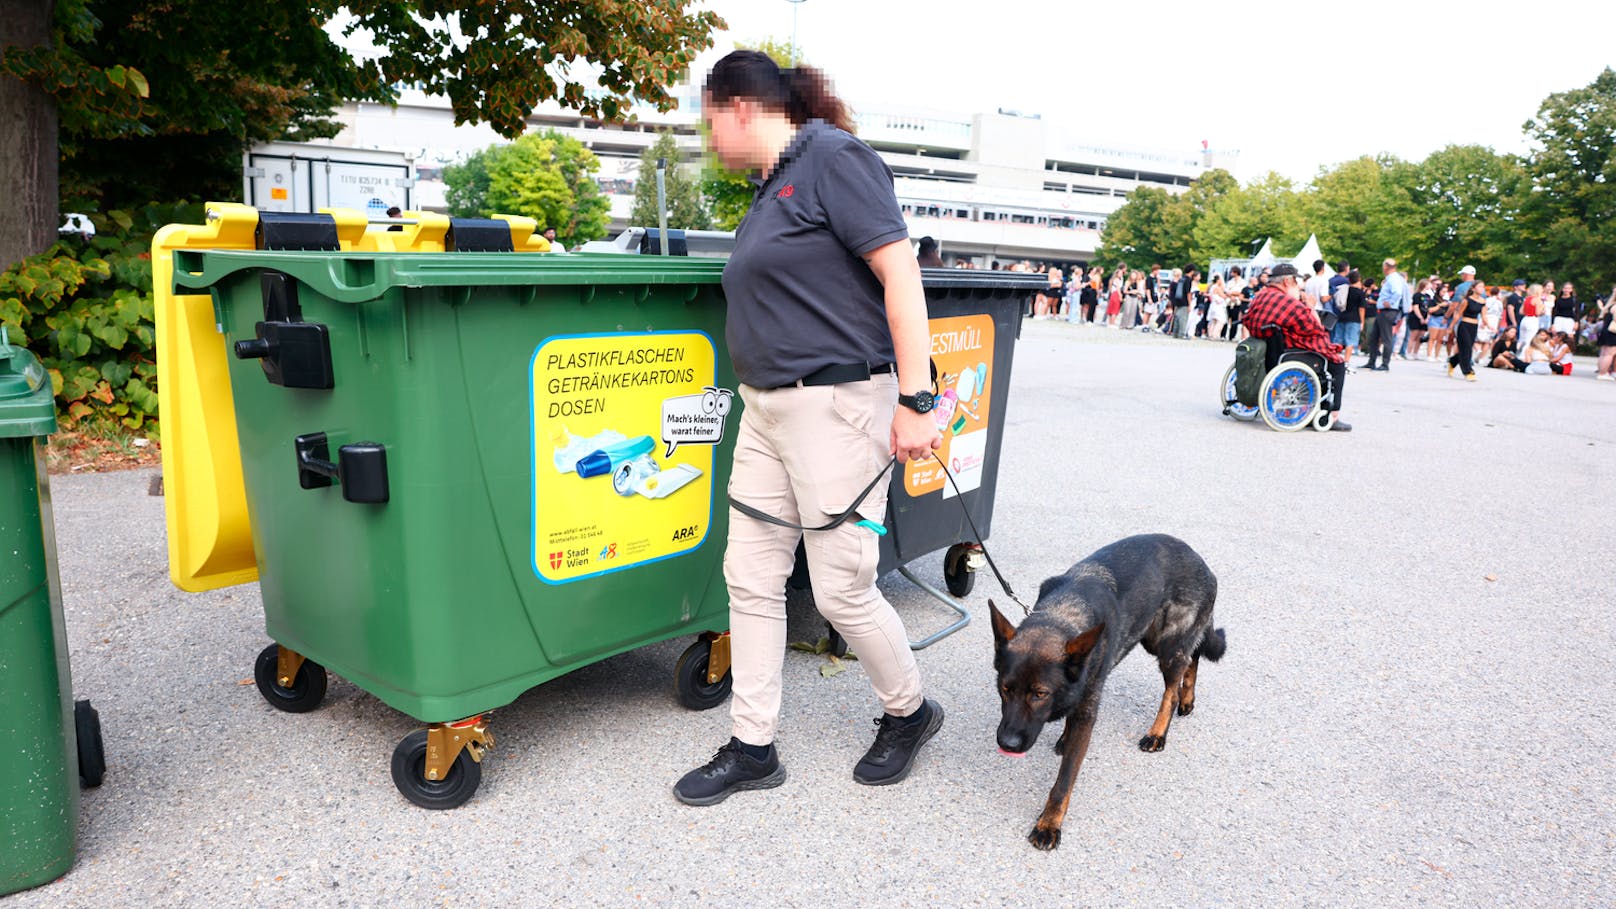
802	93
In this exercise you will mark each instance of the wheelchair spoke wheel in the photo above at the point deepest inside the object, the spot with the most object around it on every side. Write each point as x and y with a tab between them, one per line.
1290	397
1231	402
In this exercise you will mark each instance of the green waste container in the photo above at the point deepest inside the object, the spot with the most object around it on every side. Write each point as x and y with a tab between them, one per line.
469	473
41	763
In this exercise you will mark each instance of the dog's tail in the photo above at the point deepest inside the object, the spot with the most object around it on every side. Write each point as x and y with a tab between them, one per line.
1212	645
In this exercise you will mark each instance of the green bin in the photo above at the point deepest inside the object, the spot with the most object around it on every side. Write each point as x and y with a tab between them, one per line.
469	473
40	765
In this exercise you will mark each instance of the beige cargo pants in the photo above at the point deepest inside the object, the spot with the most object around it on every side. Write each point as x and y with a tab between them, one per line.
803	454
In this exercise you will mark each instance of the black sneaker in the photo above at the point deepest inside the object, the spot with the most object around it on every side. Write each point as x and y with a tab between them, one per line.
1339	426
730	770
896	743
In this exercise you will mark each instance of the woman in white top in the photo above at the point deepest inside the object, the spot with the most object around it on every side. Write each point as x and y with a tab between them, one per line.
1217	312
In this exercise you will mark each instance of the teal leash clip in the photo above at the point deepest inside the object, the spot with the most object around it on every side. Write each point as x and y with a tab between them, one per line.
877	529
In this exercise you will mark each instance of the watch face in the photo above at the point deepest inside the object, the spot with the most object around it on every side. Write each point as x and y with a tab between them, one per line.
924	401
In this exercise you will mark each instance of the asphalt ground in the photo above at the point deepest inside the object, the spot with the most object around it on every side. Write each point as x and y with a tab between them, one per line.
1415	708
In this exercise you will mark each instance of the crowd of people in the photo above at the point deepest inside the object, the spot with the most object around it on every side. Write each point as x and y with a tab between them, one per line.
1530	327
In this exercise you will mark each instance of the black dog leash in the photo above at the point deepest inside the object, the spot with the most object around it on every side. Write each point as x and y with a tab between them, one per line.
841	519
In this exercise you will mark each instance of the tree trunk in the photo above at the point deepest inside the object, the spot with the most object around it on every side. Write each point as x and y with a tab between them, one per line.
28	153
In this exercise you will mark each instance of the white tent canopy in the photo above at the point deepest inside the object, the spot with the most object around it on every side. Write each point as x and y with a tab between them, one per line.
1310	253
1265	256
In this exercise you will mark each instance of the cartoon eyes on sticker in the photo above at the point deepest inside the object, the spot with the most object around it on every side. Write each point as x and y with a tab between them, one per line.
716	400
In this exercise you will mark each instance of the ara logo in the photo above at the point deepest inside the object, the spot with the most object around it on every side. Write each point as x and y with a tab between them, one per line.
686	533
607	552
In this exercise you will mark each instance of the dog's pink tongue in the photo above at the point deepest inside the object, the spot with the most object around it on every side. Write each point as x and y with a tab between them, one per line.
1014	754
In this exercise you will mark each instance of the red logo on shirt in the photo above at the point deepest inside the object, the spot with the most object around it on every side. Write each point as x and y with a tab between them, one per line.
785	193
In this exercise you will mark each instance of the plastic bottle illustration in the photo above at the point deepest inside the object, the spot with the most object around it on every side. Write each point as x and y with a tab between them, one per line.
603	461
568	448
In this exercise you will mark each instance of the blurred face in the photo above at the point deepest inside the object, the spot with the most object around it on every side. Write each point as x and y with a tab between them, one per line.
732	134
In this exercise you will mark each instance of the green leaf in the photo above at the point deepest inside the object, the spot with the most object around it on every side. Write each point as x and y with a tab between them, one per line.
115	75
803	647
141	395
138	84
117	372
833	668
114	336
81	344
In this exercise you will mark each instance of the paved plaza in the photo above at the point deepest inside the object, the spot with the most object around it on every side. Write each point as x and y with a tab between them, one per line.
1416	707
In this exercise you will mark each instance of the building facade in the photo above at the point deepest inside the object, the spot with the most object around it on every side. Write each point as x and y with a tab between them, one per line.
998	186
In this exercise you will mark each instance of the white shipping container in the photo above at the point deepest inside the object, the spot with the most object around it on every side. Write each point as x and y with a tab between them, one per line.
306	177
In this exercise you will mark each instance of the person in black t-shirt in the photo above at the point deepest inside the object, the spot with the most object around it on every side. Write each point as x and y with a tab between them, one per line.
1467	312
1419	309
1349	325
1514	302
1566	310
840	397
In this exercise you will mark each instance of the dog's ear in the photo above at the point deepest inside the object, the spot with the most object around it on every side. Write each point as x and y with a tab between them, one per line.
1003	631
1079	646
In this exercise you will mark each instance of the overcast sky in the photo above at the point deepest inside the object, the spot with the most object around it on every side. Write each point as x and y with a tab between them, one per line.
1406	77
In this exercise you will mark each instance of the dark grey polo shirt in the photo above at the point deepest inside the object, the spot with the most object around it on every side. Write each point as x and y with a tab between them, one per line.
800	294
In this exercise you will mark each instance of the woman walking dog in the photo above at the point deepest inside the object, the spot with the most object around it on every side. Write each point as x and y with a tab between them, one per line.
828	332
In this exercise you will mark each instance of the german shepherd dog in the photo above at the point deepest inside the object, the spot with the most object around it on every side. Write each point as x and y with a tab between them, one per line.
1152	590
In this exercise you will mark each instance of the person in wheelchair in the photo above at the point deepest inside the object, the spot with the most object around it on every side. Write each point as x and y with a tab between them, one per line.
1278	308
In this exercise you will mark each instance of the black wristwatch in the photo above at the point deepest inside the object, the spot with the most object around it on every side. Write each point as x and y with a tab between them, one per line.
919	402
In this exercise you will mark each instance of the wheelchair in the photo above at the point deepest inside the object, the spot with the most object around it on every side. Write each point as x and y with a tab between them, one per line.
1296	389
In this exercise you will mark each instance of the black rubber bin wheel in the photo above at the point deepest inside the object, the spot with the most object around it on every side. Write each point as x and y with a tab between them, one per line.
308	687
92	755
690	679
957	575
409	775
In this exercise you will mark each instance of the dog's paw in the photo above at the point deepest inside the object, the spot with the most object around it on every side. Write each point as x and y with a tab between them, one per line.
1060	744
1044	837
1186	708
1153	743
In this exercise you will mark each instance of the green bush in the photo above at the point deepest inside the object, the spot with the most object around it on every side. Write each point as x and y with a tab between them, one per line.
85	309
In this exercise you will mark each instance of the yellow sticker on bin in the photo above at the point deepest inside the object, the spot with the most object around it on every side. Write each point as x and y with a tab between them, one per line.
624	428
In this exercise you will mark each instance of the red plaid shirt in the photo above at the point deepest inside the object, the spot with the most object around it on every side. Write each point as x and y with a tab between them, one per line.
1301	329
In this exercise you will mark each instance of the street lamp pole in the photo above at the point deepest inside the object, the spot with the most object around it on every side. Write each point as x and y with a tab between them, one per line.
796	55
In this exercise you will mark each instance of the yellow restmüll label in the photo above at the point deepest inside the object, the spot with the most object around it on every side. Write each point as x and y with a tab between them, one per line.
624	428
962	352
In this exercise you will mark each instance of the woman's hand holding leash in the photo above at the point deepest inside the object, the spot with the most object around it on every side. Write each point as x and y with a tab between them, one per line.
914	435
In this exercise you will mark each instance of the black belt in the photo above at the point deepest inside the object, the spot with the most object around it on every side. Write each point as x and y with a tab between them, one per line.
837	373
